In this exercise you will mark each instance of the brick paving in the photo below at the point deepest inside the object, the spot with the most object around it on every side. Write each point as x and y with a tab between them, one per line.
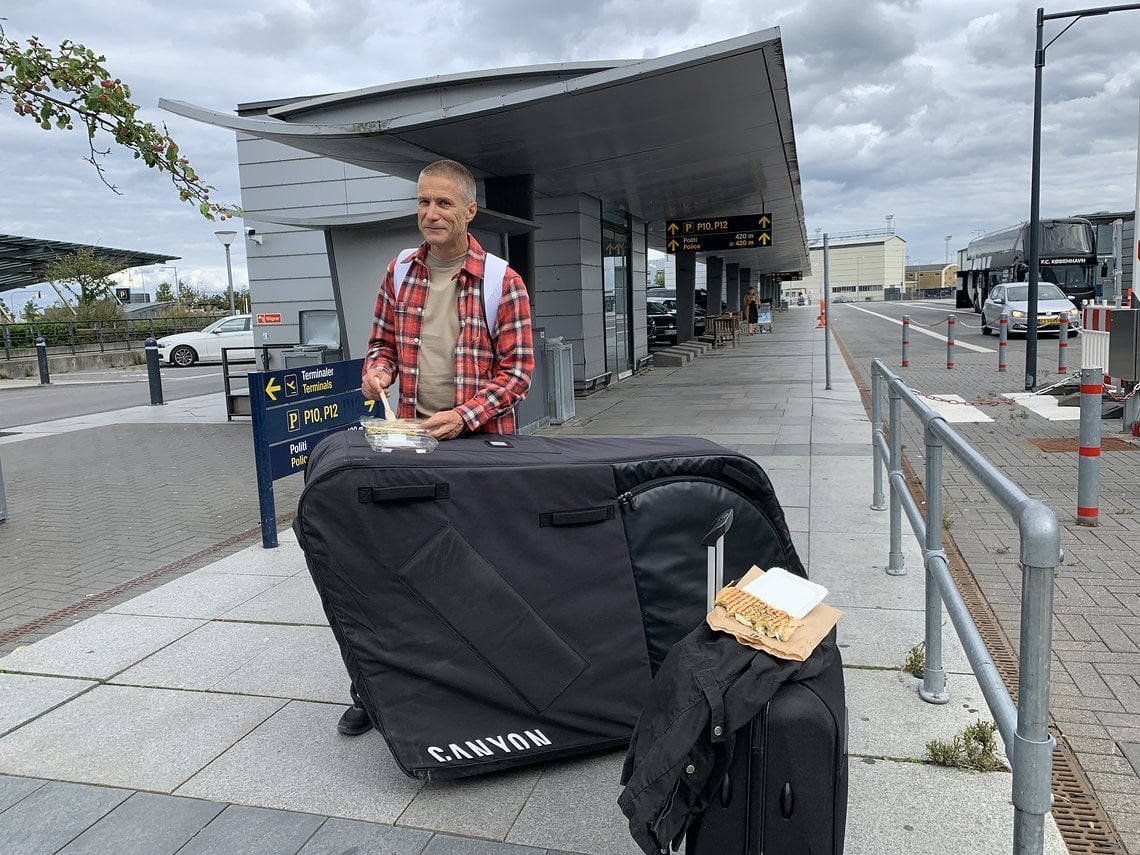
1095	680
95	510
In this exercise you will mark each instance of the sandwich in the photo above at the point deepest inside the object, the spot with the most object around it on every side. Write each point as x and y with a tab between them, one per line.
757	615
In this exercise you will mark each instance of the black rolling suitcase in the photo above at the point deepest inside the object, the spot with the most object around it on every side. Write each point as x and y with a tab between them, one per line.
786	789
506	600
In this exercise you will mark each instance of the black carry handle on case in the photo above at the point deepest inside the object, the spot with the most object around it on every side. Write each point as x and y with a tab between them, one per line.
714	540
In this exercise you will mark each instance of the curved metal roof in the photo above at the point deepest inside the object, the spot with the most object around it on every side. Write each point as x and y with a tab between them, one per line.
23	259
702	133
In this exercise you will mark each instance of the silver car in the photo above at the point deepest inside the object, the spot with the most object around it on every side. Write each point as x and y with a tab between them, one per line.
1013	300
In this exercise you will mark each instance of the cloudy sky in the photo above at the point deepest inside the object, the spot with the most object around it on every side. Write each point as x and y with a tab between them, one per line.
912	108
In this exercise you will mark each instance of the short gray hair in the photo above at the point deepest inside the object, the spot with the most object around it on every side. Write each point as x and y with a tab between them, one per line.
453	171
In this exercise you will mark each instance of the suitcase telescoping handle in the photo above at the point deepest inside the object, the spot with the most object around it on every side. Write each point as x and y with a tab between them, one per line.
714	540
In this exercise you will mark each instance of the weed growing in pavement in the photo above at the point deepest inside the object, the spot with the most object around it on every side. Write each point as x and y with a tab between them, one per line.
974	749
1001	550
1018	414
1125	511
947	520
915	663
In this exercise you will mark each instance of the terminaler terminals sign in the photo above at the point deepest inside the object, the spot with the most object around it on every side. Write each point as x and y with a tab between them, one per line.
716	233
292	410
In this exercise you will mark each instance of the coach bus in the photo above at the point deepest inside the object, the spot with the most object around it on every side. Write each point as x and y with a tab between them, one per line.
1067	255
1102	221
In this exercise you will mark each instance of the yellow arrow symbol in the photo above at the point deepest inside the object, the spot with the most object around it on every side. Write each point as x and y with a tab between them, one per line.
271	388
764	239
765	221
672	229
673	245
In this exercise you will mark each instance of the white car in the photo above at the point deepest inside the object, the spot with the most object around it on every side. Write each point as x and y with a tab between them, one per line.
1013	300
184	349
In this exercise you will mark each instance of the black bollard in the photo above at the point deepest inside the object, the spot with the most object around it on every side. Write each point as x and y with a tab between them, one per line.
41	357
152	372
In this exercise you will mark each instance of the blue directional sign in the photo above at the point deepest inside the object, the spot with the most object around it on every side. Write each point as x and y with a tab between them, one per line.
292	410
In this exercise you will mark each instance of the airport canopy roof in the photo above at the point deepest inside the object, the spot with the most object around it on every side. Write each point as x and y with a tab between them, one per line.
23	260
705	133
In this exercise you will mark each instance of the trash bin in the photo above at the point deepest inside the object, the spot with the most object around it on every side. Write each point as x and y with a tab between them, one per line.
303	354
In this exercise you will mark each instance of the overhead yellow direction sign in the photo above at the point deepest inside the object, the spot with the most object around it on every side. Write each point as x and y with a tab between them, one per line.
717	233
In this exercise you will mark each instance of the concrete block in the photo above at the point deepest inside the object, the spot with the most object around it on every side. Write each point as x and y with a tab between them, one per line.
154	824
23	697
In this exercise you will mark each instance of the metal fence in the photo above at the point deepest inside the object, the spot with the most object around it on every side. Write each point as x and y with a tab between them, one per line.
76	337
1024	728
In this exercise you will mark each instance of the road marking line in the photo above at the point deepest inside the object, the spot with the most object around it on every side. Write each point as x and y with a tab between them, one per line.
913	328
1045	406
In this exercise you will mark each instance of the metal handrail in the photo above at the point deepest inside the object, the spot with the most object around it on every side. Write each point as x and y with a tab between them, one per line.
1024	728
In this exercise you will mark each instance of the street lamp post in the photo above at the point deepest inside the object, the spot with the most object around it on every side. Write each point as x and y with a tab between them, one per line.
1035	177
227	237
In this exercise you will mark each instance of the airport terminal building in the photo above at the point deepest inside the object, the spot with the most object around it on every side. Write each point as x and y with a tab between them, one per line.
581	169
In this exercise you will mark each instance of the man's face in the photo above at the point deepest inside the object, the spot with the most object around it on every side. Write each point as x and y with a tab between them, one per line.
443	215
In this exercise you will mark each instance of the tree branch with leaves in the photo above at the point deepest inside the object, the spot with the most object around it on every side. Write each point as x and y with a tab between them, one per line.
60	89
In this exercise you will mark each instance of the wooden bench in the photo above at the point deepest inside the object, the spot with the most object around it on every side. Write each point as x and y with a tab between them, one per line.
725	328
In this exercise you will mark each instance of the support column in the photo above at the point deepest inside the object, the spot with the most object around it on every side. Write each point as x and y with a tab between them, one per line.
731	288
686	268
514	195
714	284
745	284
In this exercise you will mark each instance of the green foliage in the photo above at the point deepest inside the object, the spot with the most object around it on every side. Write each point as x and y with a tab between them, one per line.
659	279
31	311
916	660
164	293
84	274
59	89
975	748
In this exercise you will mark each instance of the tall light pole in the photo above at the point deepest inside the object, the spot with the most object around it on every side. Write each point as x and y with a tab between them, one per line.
227	237
948	239
891	223
1035	177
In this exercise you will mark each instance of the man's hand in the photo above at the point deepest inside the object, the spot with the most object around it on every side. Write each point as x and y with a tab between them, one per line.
446	424
374	383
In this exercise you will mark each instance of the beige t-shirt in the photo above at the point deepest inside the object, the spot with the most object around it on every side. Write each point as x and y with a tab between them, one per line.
440	332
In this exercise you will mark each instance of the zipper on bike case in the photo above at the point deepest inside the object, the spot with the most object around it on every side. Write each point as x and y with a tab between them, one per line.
627	499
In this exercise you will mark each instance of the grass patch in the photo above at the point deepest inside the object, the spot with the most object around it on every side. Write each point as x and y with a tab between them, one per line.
973	749
916	660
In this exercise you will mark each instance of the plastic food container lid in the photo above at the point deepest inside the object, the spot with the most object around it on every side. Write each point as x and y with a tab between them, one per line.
397	435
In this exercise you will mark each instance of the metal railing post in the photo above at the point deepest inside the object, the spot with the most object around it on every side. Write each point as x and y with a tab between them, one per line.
896	564
950	323
933	674
877	501
1088	463
1032	751
906	341
154	376
41	358
1003	339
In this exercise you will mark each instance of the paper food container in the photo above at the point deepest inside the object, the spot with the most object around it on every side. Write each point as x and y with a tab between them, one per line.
397	435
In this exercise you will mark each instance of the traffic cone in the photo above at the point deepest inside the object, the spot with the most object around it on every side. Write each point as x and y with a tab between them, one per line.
822	321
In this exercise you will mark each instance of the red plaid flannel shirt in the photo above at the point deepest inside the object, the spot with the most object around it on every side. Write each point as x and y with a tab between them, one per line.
491	376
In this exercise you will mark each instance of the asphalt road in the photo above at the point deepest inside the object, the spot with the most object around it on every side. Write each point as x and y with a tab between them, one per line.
83	392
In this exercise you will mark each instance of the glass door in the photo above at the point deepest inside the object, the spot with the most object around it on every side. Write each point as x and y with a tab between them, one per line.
617	291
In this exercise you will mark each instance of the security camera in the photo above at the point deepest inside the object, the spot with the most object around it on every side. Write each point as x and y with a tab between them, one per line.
251	234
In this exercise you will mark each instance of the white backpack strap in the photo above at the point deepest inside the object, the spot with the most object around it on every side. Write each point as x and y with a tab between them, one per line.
494	272
403	263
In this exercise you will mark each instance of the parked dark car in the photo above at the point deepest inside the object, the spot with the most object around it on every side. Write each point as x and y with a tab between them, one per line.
663	315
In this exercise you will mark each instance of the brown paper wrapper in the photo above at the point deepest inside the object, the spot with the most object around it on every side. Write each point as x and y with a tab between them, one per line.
817	624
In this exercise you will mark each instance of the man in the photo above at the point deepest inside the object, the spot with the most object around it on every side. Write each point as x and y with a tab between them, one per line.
454	372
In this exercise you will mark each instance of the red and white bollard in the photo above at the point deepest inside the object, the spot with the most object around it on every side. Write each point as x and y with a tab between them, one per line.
1003	339
1088	464
906	341
1063	346
950	322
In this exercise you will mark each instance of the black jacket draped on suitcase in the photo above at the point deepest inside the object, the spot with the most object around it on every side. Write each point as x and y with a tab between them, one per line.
506	600
704	703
